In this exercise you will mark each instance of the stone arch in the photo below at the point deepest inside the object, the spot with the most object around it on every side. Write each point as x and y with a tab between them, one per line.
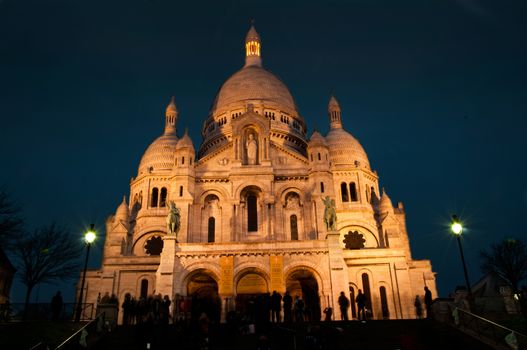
140	241
197	267
290	189
372	241
252	184
302	281
217	191
250	270
202	286
319	276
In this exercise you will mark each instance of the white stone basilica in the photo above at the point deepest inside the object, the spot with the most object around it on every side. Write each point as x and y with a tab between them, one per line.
252	212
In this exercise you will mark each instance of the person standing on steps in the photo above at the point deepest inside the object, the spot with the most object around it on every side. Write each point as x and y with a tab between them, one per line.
361	304
288	305
428	302
344	304
418	307
56	306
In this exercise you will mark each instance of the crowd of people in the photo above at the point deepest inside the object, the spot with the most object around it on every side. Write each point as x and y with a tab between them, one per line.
154	309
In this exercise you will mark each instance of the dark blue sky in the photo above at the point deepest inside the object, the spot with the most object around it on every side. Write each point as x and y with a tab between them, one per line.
436	92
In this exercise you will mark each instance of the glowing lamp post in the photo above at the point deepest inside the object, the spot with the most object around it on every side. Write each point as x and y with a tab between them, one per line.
457	230
89	237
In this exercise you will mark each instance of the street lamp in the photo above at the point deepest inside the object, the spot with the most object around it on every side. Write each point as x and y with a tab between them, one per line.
457	230
89	237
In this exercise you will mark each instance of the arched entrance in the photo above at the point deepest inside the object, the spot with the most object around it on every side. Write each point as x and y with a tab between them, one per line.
302	283
252	293
203	291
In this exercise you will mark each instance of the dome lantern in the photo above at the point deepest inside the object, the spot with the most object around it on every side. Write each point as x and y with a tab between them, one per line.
171	115
252	48
335	120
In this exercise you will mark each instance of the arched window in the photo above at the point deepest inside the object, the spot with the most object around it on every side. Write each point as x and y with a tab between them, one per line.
372	194
144	288
294	228
384	303
163	197
181	191
252	214
182	160
211	230
321	187
366	290
344	192
353	192
154	197
319	156
352	303
367	194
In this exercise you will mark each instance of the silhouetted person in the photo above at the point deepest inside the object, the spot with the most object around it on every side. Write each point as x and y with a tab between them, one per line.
361	305
299	309
328	312
288	305
165	310
56	306
127	309
428	302
344	303
418	307
276	306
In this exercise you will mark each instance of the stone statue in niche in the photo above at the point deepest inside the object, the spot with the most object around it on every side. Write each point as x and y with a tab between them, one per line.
251	146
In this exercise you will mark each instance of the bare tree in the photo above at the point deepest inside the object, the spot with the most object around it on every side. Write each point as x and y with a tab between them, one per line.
48	254
508	259
10	220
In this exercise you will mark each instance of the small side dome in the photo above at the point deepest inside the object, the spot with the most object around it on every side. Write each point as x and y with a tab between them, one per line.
344	149
185	142
317	140
122	212
386	203
159	155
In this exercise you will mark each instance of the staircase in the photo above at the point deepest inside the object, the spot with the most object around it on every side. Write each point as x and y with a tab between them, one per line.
395	334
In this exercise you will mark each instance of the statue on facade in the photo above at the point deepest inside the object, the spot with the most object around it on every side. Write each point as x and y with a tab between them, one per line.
173	219
251	146
330	214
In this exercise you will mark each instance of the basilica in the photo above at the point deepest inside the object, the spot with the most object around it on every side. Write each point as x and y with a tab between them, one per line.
252	204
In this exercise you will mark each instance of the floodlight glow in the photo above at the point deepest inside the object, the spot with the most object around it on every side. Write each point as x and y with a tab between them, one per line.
89	237
457	228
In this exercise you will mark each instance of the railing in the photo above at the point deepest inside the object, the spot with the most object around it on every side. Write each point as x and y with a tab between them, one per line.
43	311
490	332
87	335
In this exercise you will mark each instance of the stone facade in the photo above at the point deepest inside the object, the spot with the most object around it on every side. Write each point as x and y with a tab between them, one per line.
252	211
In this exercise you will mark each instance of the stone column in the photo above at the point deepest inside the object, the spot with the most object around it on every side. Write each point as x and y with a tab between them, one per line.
338	271
165	271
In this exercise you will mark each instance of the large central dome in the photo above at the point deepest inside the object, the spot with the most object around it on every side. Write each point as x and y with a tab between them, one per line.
253	83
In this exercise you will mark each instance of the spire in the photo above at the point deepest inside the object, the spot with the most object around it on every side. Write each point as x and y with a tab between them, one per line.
252	48
386	203
335	121
171	115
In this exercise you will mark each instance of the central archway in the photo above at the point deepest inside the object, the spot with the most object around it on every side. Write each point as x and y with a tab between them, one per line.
302	283
203	291
252	292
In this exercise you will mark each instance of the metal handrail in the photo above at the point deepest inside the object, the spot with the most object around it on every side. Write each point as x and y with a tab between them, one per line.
80	330
488	329
491	322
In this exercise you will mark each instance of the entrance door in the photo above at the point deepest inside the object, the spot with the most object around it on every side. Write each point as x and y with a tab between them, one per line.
253	298
303	284
203	291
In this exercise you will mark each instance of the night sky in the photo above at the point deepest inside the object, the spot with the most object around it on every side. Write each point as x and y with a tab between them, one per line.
435	91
